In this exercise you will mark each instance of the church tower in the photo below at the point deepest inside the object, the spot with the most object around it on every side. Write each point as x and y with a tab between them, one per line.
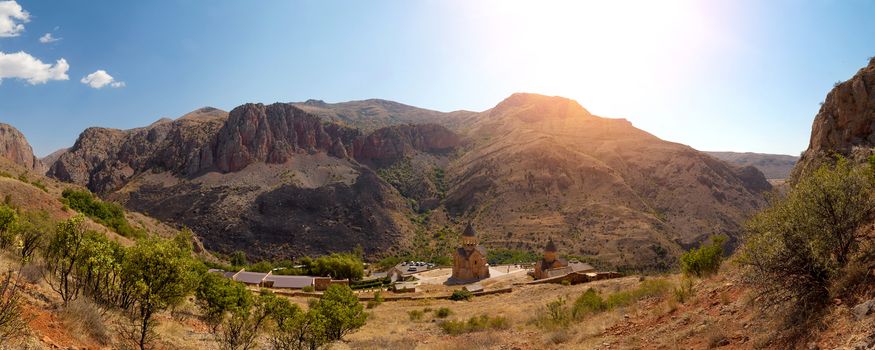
469	260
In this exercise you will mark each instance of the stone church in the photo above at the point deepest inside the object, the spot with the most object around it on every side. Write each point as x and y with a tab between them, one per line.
469	260
552	266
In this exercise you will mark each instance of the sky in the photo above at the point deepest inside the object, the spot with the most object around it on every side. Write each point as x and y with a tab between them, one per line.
741	75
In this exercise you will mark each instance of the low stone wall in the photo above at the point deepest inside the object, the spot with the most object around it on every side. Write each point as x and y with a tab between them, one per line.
577	278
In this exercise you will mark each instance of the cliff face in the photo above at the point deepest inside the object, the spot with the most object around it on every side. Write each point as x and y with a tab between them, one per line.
14	147
845	123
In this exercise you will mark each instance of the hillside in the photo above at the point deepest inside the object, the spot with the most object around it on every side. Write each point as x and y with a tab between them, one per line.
277	179
541	167
773	166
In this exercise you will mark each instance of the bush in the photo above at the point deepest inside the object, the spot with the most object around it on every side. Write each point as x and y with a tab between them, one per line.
797	248
510	256
308	289
12	323
590	302
705	260
461	294
110	215
378	299
684	291
474	324
443	312
336	265
415	315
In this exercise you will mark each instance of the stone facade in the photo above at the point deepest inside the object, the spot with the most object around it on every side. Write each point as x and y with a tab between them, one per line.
549	262
469	260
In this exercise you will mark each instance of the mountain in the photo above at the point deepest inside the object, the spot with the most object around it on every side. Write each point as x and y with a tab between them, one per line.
273	180
372	114
844	124
540	167
15	148
285	180
773	166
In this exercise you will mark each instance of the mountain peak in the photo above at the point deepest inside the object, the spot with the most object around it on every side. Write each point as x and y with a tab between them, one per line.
534	107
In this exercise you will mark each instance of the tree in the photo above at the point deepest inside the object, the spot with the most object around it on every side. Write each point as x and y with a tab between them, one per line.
218	296
31	232
161	274
242	328
63	254
338	266
295	329
341	311
797	247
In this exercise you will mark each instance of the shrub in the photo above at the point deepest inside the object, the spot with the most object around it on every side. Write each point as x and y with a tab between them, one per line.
796	248
415	315
443	312
82	315
684	291
461	294
308	289
474	324
378	299
705	260
12	324
336	265
648	289
296	329
590	302
242	328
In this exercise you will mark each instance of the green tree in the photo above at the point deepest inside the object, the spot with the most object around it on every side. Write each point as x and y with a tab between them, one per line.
295	329
62	255
242	328
800	244
341	311
705	260
338	266
161	274
217	296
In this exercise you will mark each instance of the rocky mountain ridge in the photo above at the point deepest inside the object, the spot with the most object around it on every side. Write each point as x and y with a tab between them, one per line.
277	180
773	166
845	124
14	147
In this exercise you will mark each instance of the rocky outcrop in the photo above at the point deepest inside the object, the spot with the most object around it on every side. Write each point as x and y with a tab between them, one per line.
845	123
388	145
14	147
105	159
274	133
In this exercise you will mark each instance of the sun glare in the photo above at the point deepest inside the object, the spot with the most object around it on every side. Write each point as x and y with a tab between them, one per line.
600	52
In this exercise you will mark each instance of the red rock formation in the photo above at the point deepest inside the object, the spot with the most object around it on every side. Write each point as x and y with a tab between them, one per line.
14	147
844	124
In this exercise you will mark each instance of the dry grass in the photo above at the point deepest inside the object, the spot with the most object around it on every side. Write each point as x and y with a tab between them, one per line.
85	318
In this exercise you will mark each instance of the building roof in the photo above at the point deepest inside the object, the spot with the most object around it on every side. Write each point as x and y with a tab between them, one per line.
469	231
473	288
250	277
292	282
464	252
577	266
551	247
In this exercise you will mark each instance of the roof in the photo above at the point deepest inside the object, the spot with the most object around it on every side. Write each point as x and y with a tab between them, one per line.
473	288
464	252
577	266
469	231
292	282
551	247
250	277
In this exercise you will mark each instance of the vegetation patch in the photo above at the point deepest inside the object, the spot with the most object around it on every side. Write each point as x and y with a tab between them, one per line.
474	324
107	214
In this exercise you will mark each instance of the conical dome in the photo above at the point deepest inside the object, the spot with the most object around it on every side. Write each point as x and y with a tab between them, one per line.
469	231
551	247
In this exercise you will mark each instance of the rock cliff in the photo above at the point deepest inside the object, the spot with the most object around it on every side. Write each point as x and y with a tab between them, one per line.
14	147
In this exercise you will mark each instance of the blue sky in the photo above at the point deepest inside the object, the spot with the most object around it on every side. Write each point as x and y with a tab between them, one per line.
733	75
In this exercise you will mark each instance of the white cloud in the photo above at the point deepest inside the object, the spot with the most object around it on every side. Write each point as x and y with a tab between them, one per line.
100	79
11	18
21	65
48	38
